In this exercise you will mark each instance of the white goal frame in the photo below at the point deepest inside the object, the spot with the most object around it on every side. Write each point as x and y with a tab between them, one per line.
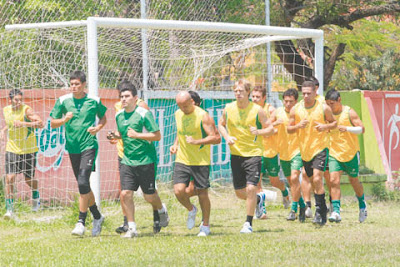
93	23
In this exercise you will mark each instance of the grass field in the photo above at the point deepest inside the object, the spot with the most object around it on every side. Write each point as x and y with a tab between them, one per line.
44	239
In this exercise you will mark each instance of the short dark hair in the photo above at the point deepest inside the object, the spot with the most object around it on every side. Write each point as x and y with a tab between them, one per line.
78	75
15	92
333	95
260	88
127	86
196	98
291	92
312	79
308	84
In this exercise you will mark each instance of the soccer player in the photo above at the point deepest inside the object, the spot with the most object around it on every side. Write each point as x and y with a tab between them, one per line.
78	112
344	154
118	107
21	148
242	125
190	189
289	153
312	120
270	158
195	131
138	129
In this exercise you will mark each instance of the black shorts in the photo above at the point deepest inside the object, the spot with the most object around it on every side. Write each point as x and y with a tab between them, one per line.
132	177
119	163
319	162
21	163
245	170
84	160
200	174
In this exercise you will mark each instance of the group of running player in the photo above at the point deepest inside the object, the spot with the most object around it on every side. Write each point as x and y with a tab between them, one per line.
302	137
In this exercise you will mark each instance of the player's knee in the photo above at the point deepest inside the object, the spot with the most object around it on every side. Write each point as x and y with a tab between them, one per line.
126	194
83	181
150	197
179	191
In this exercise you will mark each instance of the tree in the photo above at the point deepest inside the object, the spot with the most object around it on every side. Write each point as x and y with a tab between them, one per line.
323	14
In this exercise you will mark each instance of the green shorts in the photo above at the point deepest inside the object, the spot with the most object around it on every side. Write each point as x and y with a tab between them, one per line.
350	167
294	164
271	165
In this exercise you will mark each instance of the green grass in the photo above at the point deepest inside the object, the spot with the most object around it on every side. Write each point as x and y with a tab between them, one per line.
44	239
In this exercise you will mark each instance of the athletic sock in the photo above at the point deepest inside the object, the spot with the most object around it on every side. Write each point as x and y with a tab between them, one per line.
95	212
308	204
9	204
336	205
249	219
302	203
285	192
320	204
132	225
330	199
82	217
162	210
361	202
294	205
125	221
35	194
156	216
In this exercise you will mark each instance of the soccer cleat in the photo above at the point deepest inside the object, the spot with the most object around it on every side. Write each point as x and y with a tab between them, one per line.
79	229
35	205
191	220
122	229
286	202
292	216
97	224
335	217
318	219
259	206
164	219
362	216
246	229
9	215
308	212
204	230
302	215
156	227
130	233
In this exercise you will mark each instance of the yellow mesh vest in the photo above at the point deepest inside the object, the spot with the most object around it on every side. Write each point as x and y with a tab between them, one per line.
191	125
344	145
288	144
270	143
21	140
311	141
238	123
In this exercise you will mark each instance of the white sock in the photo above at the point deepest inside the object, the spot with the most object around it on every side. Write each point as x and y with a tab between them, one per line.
132	225
162	210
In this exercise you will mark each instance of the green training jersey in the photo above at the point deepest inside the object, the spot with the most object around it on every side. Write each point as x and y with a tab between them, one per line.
85	110
137	151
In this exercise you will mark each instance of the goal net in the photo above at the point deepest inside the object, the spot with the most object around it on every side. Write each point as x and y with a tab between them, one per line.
160	58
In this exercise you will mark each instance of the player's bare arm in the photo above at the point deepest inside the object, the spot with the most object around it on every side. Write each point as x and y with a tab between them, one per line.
358	126
292	126
330	119
230	140
154	136
267	128
55	123
95	129
212	137
35	121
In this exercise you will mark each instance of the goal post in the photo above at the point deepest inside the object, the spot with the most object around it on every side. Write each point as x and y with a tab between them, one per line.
180	55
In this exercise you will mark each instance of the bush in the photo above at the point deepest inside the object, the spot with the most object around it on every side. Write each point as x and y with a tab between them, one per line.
380	193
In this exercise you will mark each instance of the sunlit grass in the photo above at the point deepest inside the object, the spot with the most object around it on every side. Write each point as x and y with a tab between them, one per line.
44	239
